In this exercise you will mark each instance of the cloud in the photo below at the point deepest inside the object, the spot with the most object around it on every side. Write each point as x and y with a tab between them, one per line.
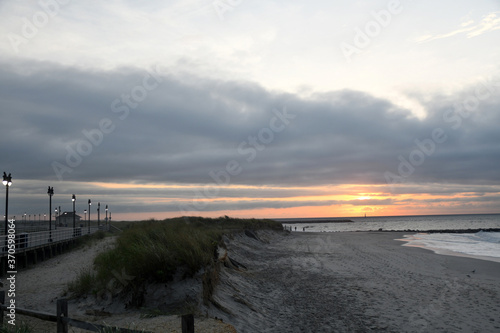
490	22
188	128
183	130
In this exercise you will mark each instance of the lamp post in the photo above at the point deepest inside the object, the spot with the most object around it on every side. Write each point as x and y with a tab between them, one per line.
73	198
50	192
90	203
59	216
55	218
7	181
106	215
98	214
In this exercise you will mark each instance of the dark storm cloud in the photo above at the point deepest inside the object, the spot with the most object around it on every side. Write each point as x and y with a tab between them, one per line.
143	126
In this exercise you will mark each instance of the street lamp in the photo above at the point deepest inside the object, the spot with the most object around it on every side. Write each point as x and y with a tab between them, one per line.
106	215
98	214
50	192
7	181
90	203
73	198
59	216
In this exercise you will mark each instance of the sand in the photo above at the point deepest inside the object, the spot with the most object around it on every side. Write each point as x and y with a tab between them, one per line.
354	282
306	282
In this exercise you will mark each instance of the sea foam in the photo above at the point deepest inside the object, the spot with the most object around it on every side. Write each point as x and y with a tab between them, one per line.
481	244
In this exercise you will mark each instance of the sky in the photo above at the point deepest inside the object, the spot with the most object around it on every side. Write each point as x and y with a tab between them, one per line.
271	109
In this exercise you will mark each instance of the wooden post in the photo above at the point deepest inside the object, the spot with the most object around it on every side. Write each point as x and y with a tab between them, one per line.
188	323
2	301
62	311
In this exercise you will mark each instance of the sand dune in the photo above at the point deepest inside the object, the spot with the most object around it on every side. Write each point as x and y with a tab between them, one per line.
38	288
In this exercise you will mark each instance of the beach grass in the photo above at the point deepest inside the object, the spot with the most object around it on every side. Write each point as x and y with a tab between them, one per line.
84	283
154	251
20	328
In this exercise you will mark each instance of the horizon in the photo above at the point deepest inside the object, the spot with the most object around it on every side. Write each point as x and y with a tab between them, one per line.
278	109
274	218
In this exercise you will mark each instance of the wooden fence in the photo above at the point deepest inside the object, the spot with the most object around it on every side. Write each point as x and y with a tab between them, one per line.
63	321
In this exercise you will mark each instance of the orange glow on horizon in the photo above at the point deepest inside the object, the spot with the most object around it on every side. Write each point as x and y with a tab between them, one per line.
347	200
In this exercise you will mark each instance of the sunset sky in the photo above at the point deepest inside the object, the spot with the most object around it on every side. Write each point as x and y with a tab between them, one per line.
251	108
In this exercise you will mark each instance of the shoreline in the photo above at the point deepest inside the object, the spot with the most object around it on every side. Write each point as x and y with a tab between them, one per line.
408	242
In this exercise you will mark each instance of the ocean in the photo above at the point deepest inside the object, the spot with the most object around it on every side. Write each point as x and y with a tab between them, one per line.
482	245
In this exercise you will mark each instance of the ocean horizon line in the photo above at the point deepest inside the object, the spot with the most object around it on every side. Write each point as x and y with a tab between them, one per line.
377	216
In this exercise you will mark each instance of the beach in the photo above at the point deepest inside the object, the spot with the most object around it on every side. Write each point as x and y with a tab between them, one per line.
304	282
353	282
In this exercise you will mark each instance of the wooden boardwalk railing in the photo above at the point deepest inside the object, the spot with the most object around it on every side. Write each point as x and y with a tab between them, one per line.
30	247
26	241
63	321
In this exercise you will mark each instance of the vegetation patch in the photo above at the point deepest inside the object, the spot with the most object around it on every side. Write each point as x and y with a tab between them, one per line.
154	251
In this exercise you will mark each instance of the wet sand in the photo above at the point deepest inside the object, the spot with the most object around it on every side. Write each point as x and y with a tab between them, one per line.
354	282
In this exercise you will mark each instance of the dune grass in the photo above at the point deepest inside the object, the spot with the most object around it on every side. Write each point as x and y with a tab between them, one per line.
19	328
154	251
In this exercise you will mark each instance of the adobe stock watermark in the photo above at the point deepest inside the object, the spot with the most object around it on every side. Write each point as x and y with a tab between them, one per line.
30	27
247	149
372	29
454	117
94	137
223	6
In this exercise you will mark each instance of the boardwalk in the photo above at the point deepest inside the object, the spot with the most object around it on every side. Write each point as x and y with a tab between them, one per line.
30	247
